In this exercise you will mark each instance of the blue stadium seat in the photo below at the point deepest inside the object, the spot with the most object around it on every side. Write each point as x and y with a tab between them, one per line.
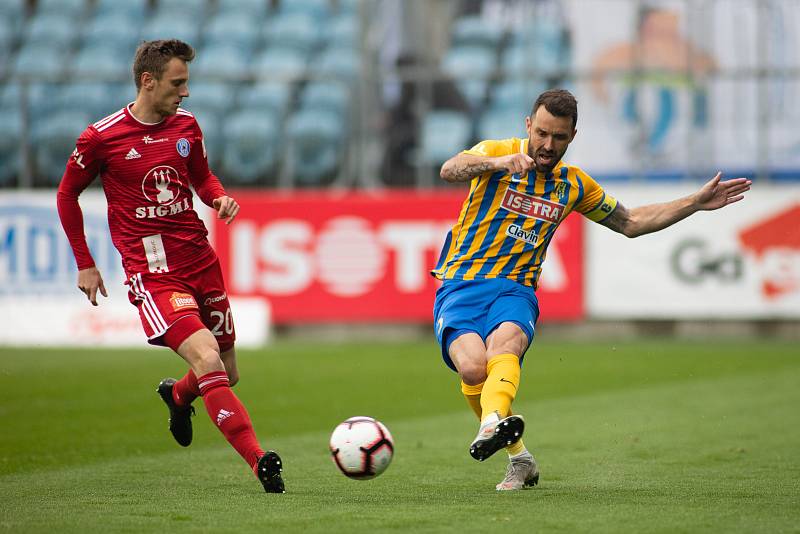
11	119
342	31
49	29
193	10
99	62
299	31
236	28
209	121
167	26
54	140
115	30
13	11
272	97
314	146
444	133
251	146
95	99
39	61
220	61
471	67
474	30
212	96
327	96
501	124
135	9
515	95
67	9
342	63
318	9
255	9
532	61
280	64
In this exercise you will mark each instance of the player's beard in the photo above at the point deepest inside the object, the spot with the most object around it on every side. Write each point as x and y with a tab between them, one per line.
555	158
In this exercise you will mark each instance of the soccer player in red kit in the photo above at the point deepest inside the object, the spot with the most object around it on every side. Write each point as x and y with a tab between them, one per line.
147	155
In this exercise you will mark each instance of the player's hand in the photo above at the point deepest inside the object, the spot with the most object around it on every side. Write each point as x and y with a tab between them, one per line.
516	163
89	281
716	194
227	208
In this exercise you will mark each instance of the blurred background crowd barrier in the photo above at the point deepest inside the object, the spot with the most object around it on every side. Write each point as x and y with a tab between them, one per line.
377	93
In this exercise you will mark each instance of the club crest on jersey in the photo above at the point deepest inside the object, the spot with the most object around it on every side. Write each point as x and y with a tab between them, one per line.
531	206
181	301
183	147
162	187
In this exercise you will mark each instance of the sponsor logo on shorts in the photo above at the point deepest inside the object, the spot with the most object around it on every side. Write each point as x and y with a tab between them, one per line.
212	300
517	232
182	301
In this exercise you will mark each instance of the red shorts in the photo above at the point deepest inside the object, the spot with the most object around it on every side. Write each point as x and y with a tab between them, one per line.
164	299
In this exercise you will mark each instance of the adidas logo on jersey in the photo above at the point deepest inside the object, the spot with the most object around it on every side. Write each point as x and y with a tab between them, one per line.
222	415
132	154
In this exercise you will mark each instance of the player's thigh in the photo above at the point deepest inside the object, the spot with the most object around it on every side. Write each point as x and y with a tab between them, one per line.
468	353
512	320
508	338
201	352
458	311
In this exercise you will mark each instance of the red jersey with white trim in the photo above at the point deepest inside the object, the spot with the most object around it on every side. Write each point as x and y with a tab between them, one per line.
146	170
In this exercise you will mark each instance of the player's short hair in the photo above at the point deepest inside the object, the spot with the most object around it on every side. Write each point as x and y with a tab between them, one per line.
558	102
153	56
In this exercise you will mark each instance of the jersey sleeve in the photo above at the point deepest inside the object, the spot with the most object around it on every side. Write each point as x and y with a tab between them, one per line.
596	203
205	183
82	168
492	148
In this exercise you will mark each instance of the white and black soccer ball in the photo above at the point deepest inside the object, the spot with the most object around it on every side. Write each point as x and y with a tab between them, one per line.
362	447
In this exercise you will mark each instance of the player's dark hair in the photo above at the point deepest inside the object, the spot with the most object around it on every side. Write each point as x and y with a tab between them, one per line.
558	102
153	56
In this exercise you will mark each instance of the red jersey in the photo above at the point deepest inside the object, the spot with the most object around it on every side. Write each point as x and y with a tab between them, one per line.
146	170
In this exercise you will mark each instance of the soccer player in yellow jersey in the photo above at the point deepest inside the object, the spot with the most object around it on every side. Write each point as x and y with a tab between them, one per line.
486	309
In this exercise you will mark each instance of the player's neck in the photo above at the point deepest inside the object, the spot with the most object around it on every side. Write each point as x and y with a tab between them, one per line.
144	112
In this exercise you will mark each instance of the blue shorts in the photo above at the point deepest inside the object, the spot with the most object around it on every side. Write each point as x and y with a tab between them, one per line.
480	306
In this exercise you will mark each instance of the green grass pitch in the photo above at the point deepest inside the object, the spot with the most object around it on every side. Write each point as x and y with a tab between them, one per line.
655	436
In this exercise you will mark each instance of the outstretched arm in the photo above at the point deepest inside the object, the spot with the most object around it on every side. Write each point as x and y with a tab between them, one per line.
464	167
713	195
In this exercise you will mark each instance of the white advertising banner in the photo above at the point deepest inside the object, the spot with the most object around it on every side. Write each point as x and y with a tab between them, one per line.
40	303
740	262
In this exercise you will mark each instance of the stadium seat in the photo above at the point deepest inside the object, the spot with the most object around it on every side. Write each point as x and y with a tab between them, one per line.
96	99
190	9
318	9
342	63
444	133
474	30
272	97
238	29
54	140
11	119
342	31
523	60
67	9
501	124
251	146
48	29
220	61
327	97
39	62
255	9
97	62
471	67
215	96
516	95
280	64
209	121
167	26
295	30
314	147
134	9
117	31
13	11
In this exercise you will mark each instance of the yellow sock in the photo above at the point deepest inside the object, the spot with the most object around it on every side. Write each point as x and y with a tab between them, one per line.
501	385
473	396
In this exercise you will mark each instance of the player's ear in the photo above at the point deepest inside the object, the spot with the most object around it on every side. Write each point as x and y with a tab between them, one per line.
148	81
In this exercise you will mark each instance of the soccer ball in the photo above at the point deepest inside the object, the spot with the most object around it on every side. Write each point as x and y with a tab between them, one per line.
362	447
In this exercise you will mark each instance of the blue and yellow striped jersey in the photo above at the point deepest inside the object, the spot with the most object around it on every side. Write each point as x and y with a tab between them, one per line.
507	221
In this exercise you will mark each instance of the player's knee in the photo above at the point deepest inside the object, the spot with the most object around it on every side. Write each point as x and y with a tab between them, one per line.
473	374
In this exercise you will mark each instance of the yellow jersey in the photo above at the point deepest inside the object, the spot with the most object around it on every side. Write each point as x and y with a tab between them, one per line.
507	221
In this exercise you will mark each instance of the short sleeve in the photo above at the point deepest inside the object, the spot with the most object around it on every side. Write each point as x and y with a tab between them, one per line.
494	148
596	203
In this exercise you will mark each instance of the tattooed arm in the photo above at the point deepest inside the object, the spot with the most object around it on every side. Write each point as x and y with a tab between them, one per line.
713	195
464	167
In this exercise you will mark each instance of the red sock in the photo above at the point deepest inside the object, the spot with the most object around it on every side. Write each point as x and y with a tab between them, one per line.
228	413
186	390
